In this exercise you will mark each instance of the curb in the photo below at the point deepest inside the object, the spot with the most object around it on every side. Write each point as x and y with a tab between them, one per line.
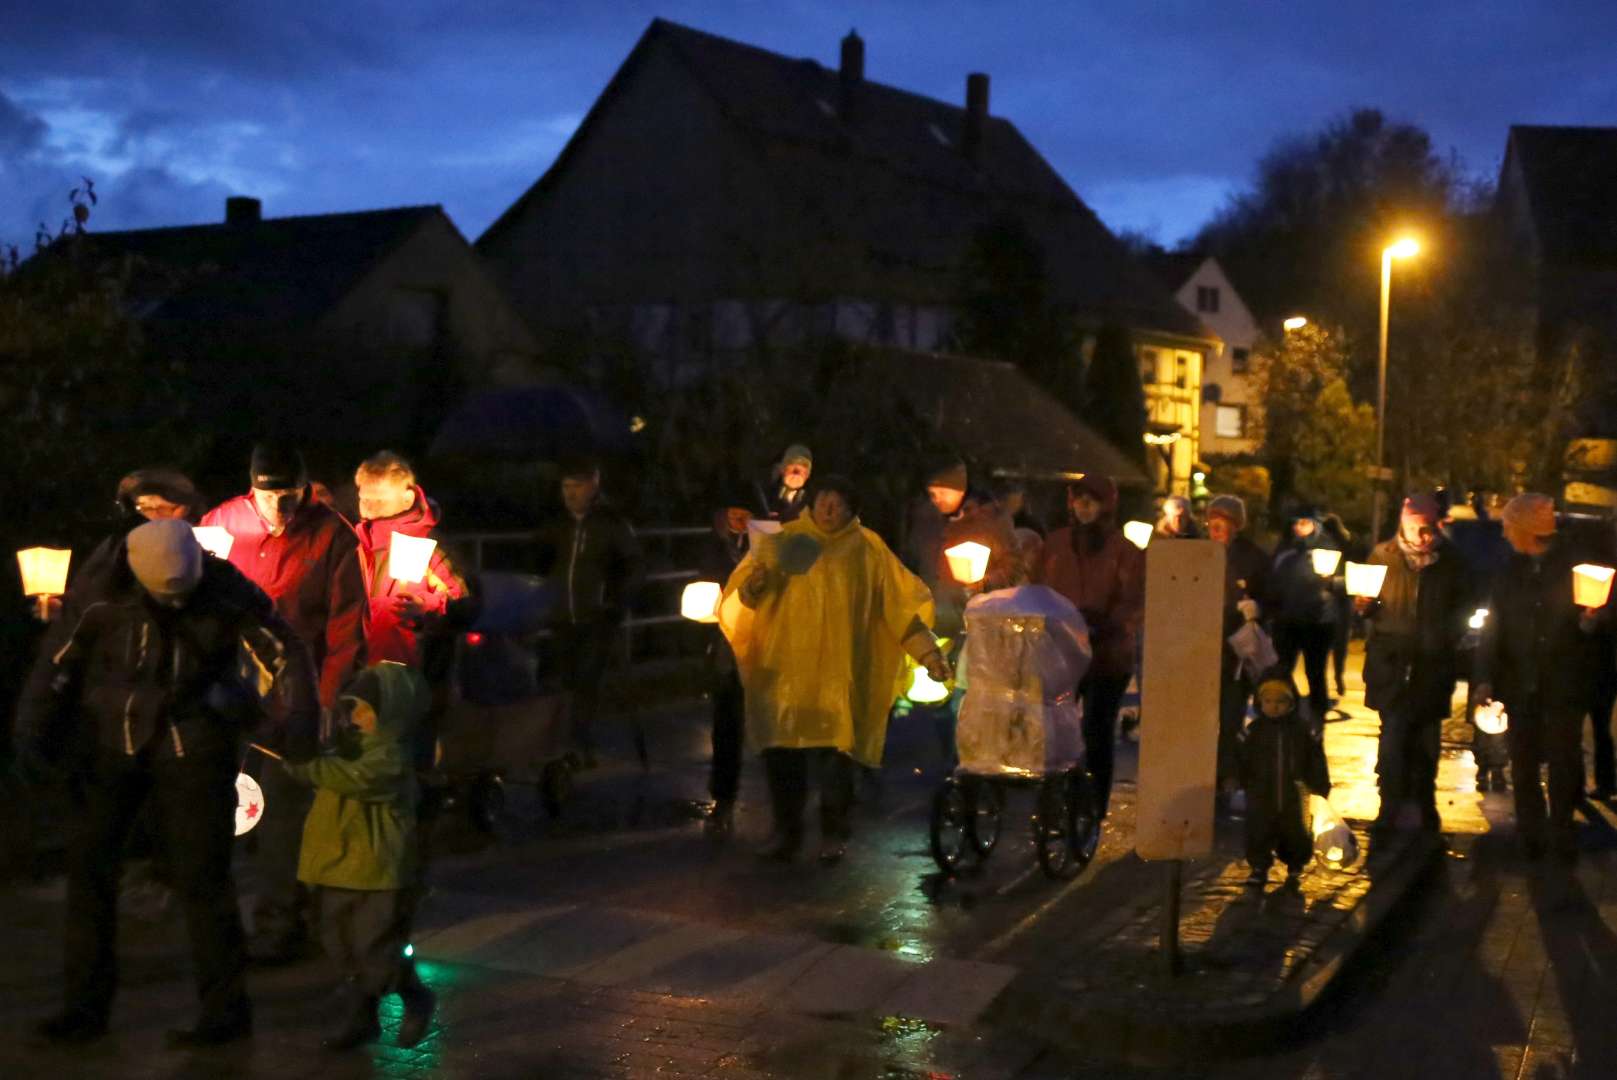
1167	1035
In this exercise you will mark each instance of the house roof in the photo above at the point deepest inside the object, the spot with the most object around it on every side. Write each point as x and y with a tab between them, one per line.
991	412
894	180
1570	174
275	270
1173	268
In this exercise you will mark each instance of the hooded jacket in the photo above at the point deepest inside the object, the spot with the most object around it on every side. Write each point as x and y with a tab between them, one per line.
595	560
1299	596
360	832
1103	575
387	637
129	670
1246	577
1415	630
311	573
1282	762
1533	651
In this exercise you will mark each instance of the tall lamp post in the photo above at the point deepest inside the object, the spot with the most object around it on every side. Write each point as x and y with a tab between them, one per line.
1399	249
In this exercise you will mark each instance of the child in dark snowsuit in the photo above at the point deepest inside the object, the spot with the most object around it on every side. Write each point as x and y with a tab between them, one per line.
359	851
1282	761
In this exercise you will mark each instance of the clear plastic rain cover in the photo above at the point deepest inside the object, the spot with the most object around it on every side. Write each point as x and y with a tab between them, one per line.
1027	649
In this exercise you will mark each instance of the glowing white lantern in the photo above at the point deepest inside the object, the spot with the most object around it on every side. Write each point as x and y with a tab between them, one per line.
1479	619
215	539
249	804
924	689
1139	533
1334	843
1325	561
1491	718
1591	585
409	556
700	601
968	562
44	570
1365	579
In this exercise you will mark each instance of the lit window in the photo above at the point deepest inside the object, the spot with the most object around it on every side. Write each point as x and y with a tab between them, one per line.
1230	422
1207	299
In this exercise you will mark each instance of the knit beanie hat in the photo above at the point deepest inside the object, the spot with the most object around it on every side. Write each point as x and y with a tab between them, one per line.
1276	677
1097	487
1421	509
1230	508
951	476
277	467
165	558
1530	513
797	454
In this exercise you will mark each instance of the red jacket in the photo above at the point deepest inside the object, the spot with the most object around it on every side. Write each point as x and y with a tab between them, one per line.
311	573
1107	585
386	636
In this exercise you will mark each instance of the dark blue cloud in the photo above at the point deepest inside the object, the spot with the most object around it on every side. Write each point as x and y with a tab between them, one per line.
1152	111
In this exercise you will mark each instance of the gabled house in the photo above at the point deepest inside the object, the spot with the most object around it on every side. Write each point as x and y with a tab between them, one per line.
343	329
719	201
1229	398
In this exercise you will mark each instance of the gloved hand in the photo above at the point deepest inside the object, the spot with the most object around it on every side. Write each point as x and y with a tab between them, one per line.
756	585
1248	608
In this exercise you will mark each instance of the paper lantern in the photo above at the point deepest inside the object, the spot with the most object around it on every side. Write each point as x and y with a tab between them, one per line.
409	556
968	562
1479	619
1139	533
249	804
761	527
44	570
1325	561
215	539
924	689
1334	842
1365	579
1491	718
1591	585
700	601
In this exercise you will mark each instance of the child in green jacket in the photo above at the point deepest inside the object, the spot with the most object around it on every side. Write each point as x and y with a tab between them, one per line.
359	851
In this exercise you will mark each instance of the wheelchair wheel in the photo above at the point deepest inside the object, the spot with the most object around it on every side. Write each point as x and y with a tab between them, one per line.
987	812
1052	829
951	824
1083	816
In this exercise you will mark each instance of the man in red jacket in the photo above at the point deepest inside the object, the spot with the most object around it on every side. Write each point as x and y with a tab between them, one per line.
302	554
1092	564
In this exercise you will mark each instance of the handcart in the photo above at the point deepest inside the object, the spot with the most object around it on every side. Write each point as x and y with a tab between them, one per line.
1020	726
503	724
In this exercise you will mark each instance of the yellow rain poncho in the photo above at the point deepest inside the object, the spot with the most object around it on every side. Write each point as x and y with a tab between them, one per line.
822	656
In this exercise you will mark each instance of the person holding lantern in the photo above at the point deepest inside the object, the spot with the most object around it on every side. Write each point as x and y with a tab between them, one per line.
303	554
592	550
1093	564
1303	603
144	700
1533	658
820	617
722	552
1414	631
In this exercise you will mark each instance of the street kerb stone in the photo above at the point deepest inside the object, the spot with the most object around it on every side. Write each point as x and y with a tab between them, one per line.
1251	967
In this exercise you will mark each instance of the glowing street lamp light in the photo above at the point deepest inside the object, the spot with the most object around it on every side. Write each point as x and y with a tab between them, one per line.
1402	248
1296	322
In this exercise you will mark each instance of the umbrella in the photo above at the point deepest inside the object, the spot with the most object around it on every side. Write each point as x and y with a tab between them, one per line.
532	423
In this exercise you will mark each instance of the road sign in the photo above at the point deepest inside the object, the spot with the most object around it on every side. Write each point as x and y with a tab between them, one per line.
1184	638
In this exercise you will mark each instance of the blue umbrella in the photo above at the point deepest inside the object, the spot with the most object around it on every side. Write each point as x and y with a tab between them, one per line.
532	423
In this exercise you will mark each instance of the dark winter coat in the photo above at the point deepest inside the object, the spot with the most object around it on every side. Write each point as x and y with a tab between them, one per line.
1282	762
129	670
1104	576
777	502
1246	577
595	561
386	636
1533	652
721	553
931	534
1411	654
1298	596
311	572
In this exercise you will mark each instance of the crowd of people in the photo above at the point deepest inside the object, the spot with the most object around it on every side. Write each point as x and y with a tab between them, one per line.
296	652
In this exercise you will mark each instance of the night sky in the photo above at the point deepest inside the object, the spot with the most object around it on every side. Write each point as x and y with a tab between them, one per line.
1152	111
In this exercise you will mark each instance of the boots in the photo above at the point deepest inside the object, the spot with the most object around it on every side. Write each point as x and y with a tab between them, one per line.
360	1024
419	1003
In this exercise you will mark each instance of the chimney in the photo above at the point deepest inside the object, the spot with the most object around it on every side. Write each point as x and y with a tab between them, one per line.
243	210
971	141
851	75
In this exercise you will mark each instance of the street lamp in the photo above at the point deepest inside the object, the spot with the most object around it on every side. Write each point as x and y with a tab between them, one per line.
1296	322
1402	248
